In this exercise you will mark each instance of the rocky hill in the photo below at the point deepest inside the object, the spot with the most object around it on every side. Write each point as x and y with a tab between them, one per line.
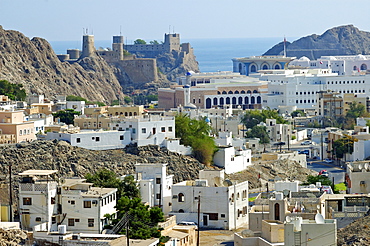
356	233
34	64
342	40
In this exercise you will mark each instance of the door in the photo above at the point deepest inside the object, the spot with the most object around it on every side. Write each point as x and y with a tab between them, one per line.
154	130
26	221
205	220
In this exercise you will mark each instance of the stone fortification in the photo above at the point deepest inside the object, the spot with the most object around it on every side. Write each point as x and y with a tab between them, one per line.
342	40
34	64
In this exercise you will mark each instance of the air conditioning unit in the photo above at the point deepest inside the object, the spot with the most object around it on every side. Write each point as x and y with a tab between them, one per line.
76	237
362	182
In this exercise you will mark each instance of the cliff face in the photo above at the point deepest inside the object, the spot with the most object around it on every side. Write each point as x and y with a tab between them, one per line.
34	64
342	40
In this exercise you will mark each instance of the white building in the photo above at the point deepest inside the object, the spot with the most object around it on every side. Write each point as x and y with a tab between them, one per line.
343	65
223	204
40	121
75	205
155	185
299	87
84	206
37	198
76	106
232	159
298	231
279	132
148	130
94	140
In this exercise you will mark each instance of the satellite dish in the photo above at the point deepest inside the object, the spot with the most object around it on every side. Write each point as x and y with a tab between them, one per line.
286	193
319	219
359	166
366	166
227	182
318	207
288	219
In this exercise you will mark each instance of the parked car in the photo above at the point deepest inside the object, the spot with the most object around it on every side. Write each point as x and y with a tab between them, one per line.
324	173
307	142
327	160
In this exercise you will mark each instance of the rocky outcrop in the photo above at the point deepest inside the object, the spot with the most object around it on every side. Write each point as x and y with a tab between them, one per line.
12	237
356	233
175	63
34	64
342	40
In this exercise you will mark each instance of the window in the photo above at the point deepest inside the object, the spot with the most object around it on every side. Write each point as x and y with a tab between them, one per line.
90	222
158	180
170	128
27	201
72	202
121	137
71	222
133	130
222	215
163	129
87	204
38	219
97	139
52	200
213	216
158	195
77	220
143	130
181	197
20	132
78	140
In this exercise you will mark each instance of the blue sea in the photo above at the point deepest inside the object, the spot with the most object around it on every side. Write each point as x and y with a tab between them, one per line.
212	54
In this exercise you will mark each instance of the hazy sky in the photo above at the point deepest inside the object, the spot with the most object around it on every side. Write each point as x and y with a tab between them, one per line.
65	19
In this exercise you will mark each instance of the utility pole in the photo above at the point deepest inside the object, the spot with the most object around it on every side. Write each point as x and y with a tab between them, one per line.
10	194
127	237
198	239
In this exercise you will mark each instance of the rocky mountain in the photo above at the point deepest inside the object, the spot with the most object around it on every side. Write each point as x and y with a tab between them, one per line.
34	64
342	40
356	233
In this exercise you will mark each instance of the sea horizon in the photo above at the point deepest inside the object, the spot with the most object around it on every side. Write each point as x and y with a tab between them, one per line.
212	54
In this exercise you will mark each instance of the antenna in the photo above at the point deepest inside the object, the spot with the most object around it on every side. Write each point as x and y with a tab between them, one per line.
173	29
120	30
284	46
169	29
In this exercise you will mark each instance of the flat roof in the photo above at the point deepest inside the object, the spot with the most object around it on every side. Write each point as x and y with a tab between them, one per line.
38	172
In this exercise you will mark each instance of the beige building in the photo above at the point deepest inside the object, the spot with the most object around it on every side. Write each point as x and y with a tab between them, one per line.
15	129
209	92
40	108
125	111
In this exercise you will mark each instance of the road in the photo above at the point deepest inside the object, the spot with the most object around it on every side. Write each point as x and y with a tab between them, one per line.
334	171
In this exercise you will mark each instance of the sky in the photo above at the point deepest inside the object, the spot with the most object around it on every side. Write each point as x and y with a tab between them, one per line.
62	20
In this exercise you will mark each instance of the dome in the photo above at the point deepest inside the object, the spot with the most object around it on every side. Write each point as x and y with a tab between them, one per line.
207	120
360	57
190	106
304	58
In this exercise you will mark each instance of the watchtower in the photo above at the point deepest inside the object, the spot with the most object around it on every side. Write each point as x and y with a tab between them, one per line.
88	47
171	42
117	47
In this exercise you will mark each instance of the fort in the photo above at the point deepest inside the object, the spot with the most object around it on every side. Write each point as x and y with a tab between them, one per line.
136	62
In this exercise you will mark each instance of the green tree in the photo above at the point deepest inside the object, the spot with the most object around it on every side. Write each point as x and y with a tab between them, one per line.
312	179
106	179
154	42
298	113
261	133
13	91
252	118
355	110
139	41
343	145
127	99
195	133
67	116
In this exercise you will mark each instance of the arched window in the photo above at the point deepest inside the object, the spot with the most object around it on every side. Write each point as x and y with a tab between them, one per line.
181	211
135	114
215	101
265	67
355	68
218	92
253	68
224	92
221	101
181	197
236	92
246	100
240	100
253	101
364	67
126	114
277	66
259	100
230	92
255	91
208	103
227	100
249	92
234	100
130	114
242	92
